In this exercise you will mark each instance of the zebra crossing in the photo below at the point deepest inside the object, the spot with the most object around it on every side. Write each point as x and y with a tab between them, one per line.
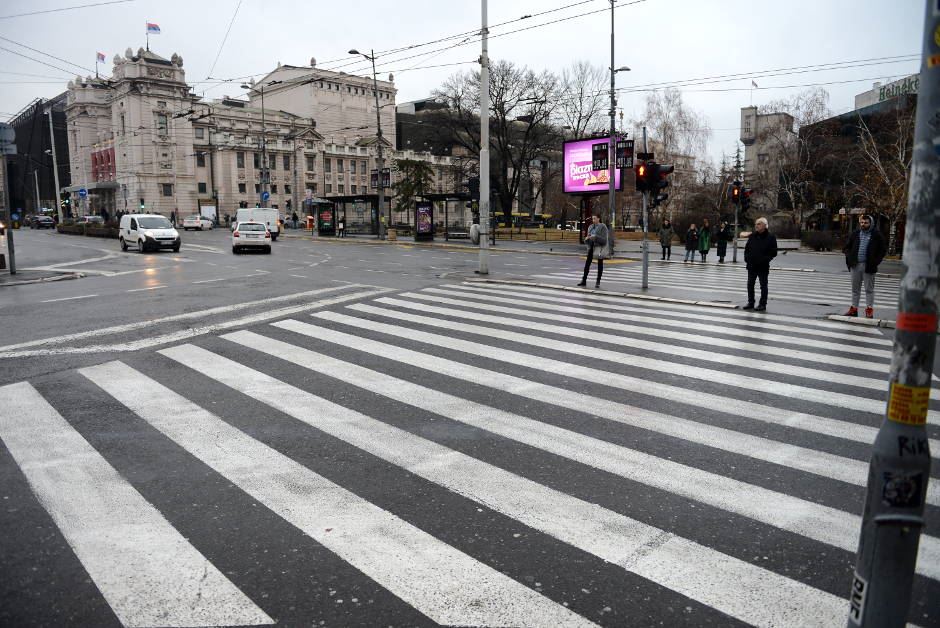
467	454
728	282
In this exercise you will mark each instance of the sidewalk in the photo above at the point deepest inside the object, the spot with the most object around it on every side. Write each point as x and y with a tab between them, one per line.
25	277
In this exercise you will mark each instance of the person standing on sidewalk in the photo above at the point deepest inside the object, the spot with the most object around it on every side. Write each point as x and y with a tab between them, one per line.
691	243
173	217
704	239
666	234
723	237
863	253
597	241
761	247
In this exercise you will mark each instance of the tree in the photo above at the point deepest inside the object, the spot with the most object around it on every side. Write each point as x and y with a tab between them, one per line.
414	178
584	102
522	104
785	167
886	142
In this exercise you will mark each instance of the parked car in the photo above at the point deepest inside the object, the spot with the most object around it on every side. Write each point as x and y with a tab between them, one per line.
251	235
89	220
196	222
41	222
148	231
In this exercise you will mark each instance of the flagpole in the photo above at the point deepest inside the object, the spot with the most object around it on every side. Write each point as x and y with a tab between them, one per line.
147	28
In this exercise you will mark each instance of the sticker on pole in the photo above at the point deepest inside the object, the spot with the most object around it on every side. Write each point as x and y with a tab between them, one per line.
857	601
908	404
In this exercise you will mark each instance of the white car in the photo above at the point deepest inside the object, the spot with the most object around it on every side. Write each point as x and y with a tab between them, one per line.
148	231
251	235
196	222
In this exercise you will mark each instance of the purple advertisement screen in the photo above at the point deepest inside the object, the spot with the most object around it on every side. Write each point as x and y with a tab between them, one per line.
579	178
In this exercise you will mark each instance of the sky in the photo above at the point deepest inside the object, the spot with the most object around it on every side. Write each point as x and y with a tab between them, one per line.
660	40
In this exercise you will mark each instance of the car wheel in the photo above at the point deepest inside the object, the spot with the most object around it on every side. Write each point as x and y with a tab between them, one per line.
176	249
140	246
267	250
123	245
235	250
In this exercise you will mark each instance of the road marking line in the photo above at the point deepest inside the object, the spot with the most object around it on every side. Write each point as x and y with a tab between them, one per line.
143	289
211	280
299	276
224	309
745	591
84	296
815	521
445	584
148	573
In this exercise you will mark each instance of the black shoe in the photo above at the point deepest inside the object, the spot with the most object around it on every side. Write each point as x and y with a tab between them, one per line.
582	284
597	285
749	306
760	308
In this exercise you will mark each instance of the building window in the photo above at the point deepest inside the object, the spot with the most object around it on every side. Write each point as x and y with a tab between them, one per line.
242	188
339	164
327	165
257	188
273	189
286	189
123	129
311	162
362	167
200	160
162	127
352	189
286	162
240	160
202	188
257	160
200	133
329	188
161	104
352	167
308	145
342	188
167	189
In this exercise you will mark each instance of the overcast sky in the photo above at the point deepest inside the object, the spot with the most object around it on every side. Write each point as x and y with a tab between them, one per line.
661	40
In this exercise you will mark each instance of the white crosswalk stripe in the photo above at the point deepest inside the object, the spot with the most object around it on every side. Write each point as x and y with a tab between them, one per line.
749	422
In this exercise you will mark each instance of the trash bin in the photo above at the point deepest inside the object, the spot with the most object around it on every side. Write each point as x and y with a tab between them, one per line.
392	234
310	220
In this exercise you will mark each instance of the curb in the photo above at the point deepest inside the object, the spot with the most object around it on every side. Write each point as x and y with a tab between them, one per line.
867	322
629	295
42	280
433	245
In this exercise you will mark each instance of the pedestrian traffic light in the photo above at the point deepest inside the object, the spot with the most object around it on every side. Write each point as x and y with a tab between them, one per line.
642	170
735	192
142	204
746	198
658	174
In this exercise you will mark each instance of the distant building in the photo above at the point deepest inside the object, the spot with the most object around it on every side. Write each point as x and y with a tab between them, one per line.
880	93
32	166
768	142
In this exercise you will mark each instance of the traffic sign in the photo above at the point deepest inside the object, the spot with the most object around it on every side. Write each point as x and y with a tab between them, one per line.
265	195
83	192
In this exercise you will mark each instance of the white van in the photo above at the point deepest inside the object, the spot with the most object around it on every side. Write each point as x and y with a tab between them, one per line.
264	215
148	231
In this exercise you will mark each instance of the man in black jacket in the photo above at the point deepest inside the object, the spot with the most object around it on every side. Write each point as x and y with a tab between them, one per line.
761	247
863	252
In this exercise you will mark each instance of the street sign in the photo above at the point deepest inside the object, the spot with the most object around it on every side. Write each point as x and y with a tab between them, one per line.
265	195
599	156
624	153
645	156
83	192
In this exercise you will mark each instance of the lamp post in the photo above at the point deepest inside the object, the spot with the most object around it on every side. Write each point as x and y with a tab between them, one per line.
380	155
55	169
612	153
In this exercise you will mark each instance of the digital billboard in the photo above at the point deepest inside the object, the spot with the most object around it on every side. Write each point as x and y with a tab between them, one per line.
580	178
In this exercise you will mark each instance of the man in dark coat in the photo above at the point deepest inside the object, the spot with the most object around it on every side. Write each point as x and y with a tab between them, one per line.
761	247
724	236
863	252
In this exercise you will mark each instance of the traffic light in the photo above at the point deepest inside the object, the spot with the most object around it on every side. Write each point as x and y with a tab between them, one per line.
473	184
735	192
142	206
658	180
746	198
642	170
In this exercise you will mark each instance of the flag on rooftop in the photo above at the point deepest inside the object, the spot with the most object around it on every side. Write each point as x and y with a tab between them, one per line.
153	29
100	57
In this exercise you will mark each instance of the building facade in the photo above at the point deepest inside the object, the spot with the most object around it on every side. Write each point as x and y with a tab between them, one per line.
769	140
32	184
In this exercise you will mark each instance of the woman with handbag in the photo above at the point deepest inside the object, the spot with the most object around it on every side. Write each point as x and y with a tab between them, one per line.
598	240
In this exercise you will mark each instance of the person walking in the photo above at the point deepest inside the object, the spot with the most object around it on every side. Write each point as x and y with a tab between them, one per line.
704	239
863	253
723	237
666	234
761	247
294	219
341	227
691	243
173	217
597	241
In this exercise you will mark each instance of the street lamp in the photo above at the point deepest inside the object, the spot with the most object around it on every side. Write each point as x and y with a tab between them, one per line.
612	153
265	173
380	156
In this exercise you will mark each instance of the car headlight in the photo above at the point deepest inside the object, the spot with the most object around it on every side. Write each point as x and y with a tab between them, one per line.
149	234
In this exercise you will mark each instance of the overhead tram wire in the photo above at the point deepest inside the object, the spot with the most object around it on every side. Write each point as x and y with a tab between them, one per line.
61	9
224	39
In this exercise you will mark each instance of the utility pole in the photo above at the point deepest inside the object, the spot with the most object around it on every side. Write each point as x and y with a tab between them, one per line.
899	470
265	172
36	181
5	188
612	150
55	169
646	244
484	268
